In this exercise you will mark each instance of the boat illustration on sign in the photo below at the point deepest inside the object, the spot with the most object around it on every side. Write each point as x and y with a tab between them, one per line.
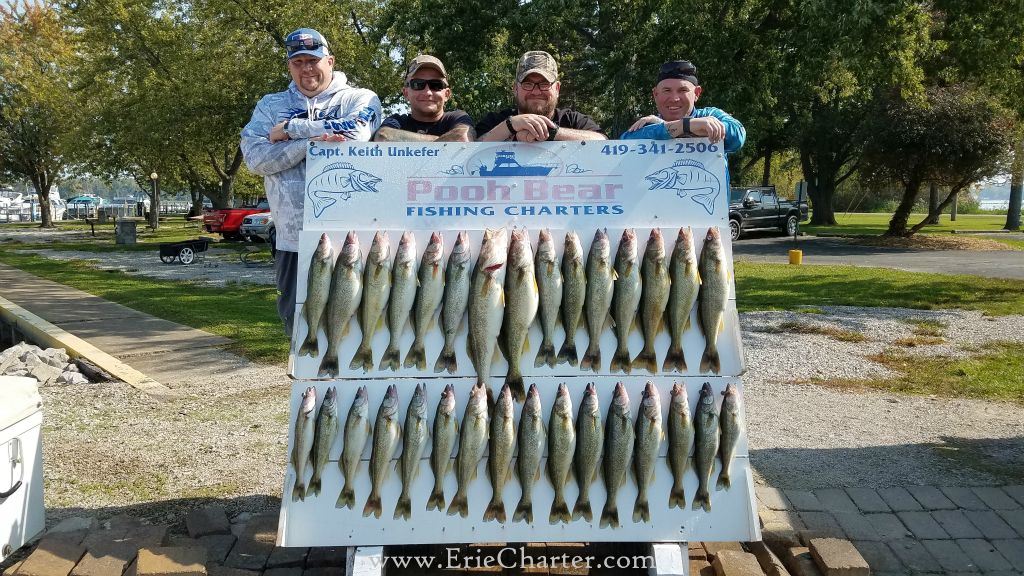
685	176
505	164
338	181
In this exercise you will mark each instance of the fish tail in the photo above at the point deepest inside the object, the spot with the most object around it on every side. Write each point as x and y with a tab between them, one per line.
559	511
436	501
417	356
641	510
674	360
620	361
328	366
363	358
610	515
546	354
723	481
347	498
702	500
647	359
495	511
516	386
372	506
677	498
314	485
592	359
568	353
446	361
299	491
707	200
583	510
404	508
391	358
459	506
320	203
309	346
524	511
710	361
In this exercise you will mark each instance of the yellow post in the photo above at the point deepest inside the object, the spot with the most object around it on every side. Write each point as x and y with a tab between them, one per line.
796	256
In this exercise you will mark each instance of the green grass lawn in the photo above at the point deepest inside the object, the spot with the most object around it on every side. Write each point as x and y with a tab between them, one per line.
874	224
174	230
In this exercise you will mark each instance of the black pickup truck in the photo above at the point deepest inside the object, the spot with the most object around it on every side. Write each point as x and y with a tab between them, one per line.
759	208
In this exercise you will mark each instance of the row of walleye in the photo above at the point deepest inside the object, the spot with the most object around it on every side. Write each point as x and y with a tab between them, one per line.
583	448
508	288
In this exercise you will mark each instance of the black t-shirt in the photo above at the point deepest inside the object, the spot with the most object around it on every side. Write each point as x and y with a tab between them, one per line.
448	121
564	118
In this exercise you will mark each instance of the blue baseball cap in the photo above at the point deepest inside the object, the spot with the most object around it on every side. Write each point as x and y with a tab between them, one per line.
306	41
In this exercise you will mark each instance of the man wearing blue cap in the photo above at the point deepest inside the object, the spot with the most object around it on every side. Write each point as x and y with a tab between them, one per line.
318	105
675	95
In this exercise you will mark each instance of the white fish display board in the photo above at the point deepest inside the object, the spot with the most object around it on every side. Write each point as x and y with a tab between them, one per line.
365	188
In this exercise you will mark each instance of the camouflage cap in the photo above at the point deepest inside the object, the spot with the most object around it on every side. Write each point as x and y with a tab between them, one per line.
425	61
537	62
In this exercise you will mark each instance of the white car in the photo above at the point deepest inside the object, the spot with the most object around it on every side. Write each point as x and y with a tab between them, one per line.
259	226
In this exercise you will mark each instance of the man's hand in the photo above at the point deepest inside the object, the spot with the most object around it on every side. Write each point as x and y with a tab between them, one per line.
531	127
709	127
277	133
330	138
644	122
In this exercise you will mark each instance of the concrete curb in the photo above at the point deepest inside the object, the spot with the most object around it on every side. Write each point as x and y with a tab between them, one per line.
48	335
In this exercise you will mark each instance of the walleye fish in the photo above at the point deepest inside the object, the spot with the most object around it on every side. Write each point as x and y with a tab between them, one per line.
713	297
317	290
574	291
386	434
680	441
376	288
600	282
487	302
653	300
414	440
304	436
357	432
346	290
626	298
732	427
531	449
549	284
705	442
428	297
339	180
456	297
686	176
446	429
645	454
521	301
472	440
403	294
499	455
683	295
618	453
561	445
589	444
323	438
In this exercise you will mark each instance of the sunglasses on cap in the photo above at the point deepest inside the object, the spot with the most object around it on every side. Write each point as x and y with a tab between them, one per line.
418	84
302	44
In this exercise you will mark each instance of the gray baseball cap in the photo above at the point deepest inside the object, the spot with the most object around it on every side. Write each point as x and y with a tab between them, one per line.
537	62
425	61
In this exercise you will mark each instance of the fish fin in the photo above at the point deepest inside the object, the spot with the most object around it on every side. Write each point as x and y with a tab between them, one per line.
403	509
559	511
517	387
524	511
526	343
436	501
591	360
390	359
372	506
620	362
568	353
702	500
328	366
677	498
615	275
582	510
310	346
416	356
299	491
459	506
314	485
495	511
723	481
445	361
686	324
545	355
398	467
721	326
320	202
710	362
363	359
646	359
641	511
610	515
347	498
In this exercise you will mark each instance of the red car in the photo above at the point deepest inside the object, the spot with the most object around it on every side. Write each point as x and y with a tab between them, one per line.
227	221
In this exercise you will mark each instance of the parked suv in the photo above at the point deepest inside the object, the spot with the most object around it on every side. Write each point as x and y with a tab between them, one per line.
259	227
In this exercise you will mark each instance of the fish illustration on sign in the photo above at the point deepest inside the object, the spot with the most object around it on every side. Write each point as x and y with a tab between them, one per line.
686	176
338	180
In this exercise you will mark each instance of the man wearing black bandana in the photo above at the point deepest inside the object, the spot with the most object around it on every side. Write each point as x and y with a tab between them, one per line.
675	95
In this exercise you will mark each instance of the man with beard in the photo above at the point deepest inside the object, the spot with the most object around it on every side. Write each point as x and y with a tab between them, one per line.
535	117
426	89
319	104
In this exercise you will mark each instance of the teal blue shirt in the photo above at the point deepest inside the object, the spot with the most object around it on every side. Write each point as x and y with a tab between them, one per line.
735	134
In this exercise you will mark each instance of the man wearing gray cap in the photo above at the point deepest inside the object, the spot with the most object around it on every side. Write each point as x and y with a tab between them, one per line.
427	89
536	117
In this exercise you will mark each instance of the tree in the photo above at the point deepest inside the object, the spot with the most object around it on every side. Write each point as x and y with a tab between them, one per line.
955	137
37	105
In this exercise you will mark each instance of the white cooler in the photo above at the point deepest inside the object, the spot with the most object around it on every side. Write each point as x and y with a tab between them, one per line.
22	516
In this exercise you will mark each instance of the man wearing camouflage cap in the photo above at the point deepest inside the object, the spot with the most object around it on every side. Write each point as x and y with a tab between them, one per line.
536	117
427	90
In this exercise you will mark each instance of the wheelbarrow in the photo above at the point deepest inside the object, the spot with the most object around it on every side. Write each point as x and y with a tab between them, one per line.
186	252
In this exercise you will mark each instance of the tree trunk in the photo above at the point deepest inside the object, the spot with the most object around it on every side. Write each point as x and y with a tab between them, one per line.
197	200
1016	187
952	208
821	188
898	223
41	182
766	176
933	203
949	199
